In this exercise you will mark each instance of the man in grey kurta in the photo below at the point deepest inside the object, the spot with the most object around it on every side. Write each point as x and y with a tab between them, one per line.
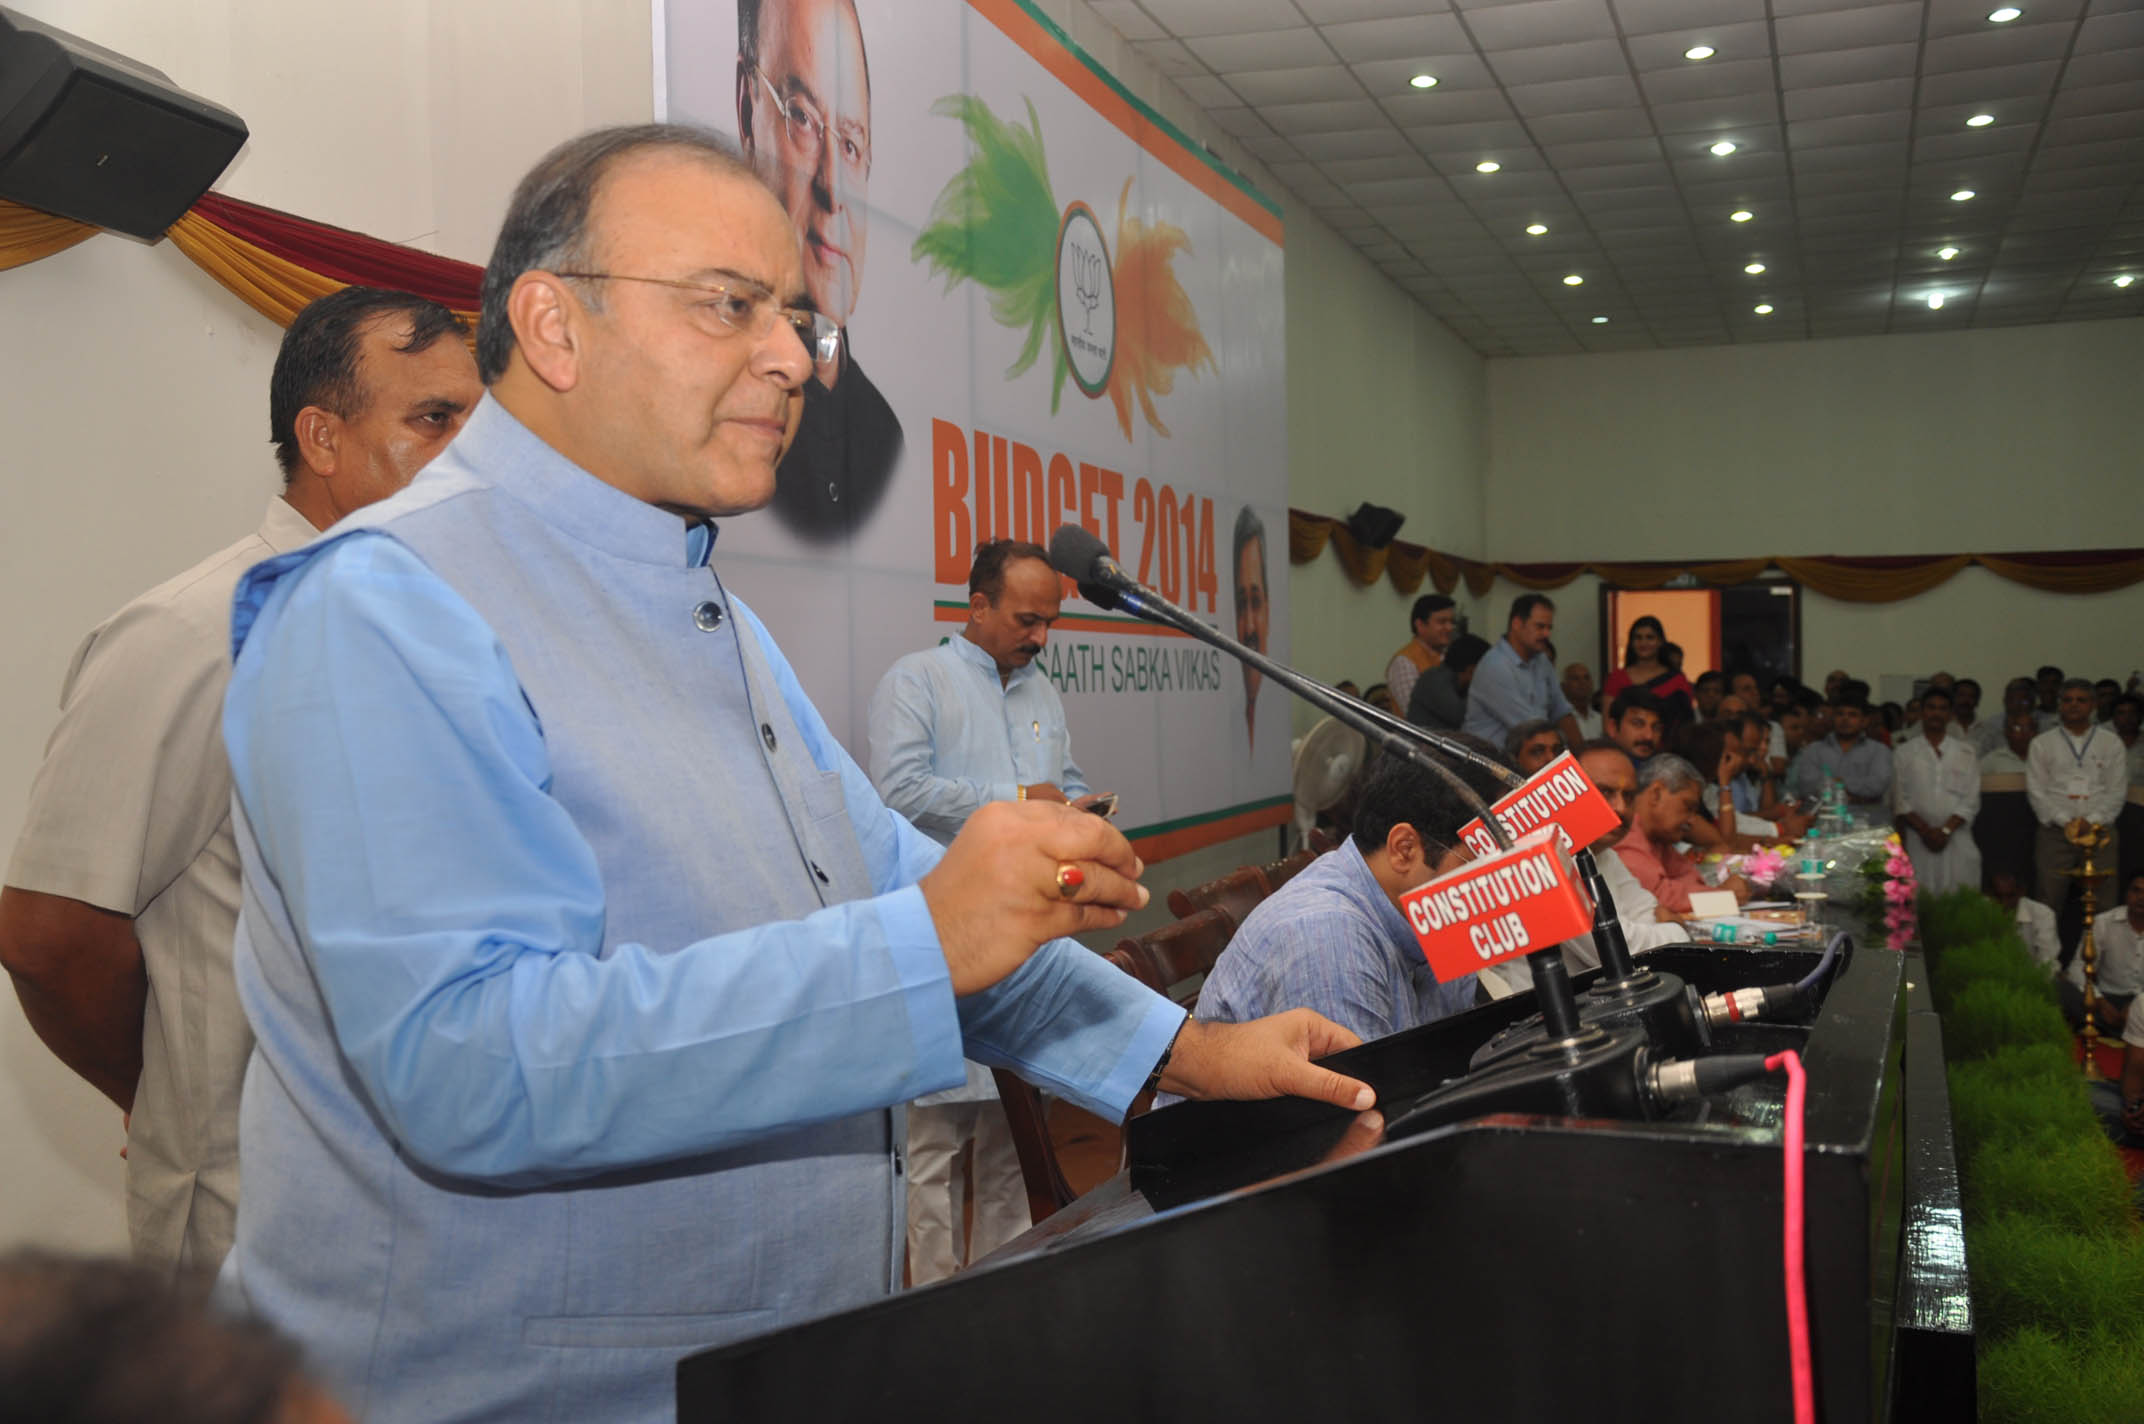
586	969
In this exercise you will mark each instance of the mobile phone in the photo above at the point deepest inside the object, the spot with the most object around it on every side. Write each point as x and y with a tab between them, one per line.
1104	805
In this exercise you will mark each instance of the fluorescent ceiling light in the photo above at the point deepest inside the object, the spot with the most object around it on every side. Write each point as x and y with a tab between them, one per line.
1424	81
2005	15
1762	309
1722	148
1946	253
1574	280
1537	229
1754	268
1600	321
1963	195
1935	301
1980	121
1487	165
1740	215
1699	52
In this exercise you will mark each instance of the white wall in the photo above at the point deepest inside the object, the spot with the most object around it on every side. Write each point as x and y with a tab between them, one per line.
133	390
1960	442
1384	405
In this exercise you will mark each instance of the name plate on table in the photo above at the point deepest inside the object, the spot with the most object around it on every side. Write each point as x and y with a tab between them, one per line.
1560	795
1496	908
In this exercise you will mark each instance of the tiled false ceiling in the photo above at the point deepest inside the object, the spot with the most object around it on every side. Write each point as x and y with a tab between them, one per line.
1853	126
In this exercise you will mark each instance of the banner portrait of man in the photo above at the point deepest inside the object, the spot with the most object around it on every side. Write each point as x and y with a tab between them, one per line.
804	121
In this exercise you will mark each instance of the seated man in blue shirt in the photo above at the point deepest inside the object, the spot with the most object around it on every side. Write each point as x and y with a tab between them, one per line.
1862	766
1333	938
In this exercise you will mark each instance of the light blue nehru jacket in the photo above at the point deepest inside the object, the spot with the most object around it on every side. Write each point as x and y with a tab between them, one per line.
585	965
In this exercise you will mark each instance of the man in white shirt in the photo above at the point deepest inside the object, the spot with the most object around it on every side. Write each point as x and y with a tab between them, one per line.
2035	922
1935	787
123	894
2118	964
952	728
2076	774
1578	690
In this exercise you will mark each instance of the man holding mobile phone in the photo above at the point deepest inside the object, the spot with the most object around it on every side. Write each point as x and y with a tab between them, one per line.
952	728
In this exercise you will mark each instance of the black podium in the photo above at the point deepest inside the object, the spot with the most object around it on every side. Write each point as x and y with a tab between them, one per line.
1273	1261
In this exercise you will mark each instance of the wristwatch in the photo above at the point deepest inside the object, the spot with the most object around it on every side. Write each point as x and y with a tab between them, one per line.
1153	1079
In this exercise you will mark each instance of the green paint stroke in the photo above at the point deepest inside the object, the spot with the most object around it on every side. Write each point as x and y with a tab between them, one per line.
995	224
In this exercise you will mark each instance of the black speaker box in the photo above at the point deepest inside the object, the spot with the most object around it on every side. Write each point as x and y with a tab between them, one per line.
93	136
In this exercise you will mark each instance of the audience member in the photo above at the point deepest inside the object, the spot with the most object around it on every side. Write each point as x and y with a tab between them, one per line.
1440	695
1845	755
1634	722
88	1341
1516	681
953	728
2127	721
1965	713
2104	694
1783	693
1333	937
2077	775
1833	681
1936	795
1744	686
2047	690
1714	748
117	918
1531	746
1757	788
1645	668
2117	964
1890	717
1611	769
2035	922
1434	621
1709	688
1380	697
1669	794
2007	830
1578	690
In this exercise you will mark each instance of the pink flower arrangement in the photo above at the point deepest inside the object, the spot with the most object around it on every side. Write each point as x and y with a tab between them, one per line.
1765	867
1899	887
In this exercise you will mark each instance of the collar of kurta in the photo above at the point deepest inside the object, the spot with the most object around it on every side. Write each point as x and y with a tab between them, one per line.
967	650
574	501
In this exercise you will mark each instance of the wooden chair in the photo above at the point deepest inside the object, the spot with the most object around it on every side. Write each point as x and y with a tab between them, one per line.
1160	959
1183	950
1237	892
1281	871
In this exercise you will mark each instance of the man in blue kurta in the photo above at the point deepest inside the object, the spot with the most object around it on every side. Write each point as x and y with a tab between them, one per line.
954	728
1334	938
585	967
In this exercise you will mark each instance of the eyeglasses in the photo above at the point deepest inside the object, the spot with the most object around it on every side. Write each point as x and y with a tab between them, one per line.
747	308
806	129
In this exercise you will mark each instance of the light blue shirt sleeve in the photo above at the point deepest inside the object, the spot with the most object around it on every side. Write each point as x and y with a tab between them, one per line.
396	780
904	739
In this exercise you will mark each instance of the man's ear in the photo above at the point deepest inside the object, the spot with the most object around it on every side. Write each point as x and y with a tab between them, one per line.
977	604
319	435
546	320
1403	848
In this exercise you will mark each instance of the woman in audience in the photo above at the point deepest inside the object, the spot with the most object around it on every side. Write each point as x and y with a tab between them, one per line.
1645	666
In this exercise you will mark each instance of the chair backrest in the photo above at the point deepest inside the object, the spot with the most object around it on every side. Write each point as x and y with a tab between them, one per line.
1236	892
1281	871
1183	949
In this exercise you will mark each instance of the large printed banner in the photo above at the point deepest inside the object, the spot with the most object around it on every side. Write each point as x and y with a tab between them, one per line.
1057	310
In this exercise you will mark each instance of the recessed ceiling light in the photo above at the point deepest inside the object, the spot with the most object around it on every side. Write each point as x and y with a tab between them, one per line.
1740	215
1946	253
1963	195
1537	229
1487	165
1699	52
2124	280
1754	268
2005	15
1424	81
1935	301
1722	148
1574	280
1762	309
1600	321
1980	121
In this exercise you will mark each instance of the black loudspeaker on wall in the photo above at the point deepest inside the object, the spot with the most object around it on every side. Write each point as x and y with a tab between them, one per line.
92	135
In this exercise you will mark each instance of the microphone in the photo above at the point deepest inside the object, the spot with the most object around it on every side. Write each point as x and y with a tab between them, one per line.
1081	556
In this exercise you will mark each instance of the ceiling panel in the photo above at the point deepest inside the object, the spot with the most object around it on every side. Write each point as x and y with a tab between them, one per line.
1850	130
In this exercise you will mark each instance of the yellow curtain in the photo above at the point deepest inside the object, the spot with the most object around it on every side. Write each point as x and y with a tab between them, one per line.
2067	578
27	234
273	286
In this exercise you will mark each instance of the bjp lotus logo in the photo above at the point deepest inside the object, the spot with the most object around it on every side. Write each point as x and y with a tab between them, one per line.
1111	312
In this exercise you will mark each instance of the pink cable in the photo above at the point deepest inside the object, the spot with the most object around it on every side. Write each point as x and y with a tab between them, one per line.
1797	1283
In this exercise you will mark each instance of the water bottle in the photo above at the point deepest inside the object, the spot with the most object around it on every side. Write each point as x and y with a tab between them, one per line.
1737	934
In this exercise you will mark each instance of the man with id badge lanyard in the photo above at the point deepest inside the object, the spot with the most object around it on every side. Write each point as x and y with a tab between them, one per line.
953	727
2076	774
